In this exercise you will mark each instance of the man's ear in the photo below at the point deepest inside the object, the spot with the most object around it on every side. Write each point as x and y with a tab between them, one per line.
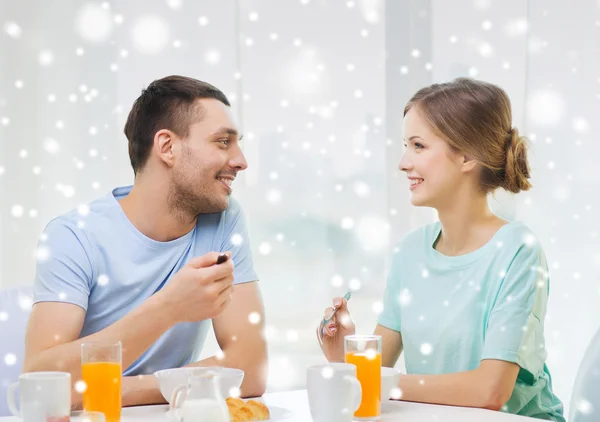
164	146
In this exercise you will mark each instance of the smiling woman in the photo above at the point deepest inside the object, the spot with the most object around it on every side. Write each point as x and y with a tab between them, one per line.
473	332
469	121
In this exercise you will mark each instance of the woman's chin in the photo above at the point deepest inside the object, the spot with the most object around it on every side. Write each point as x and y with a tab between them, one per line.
418	201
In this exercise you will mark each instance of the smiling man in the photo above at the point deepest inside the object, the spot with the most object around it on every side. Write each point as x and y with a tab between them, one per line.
140	264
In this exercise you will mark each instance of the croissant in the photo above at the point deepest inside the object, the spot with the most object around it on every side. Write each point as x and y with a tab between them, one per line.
252	410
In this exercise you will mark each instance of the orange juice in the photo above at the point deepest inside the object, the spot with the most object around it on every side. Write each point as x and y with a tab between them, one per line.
103	389
368	372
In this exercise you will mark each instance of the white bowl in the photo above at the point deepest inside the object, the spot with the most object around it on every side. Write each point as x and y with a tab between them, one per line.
389	381
230	379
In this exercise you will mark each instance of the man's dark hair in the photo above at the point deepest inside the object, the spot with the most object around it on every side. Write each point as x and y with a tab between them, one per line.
167	103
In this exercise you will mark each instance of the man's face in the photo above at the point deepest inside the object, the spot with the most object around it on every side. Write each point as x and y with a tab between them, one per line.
207	161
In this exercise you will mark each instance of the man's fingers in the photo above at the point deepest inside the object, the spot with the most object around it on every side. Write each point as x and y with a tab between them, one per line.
225	296
205	260
215	273
223	284
227	290
224	269
209	259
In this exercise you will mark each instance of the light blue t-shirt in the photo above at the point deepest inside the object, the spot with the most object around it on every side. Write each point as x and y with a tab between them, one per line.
94	257
454	311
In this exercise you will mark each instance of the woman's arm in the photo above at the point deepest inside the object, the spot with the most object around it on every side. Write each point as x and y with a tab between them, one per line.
489	386
391	345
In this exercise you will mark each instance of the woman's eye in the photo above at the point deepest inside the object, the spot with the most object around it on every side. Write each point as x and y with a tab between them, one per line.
418	145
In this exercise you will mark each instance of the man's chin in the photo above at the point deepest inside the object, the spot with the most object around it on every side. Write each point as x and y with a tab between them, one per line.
217	206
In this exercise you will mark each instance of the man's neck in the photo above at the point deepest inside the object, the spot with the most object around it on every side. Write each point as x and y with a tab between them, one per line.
148	209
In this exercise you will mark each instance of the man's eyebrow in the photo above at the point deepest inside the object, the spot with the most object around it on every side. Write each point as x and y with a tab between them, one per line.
228	131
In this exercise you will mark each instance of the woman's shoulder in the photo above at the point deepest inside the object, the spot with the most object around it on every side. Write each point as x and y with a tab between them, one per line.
418	238
426	233
517	234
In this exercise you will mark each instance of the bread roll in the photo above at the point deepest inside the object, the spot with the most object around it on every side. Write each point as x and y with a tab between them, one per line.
252	410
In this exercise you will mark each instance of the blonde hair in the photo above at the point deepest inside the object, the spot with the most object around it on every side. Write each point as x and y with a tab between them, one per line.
475	118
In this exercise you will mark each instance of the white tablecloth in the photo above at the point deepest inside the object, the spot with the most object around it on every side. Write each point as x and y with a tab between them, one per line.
293	407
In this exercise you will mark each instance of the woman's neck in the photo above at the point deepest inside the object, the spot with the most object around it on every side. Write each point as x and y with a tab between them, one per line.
466	226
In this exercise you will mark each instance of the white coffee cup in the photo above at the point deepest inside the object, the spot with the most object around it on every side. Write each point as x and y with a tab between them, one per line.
43	395
334	393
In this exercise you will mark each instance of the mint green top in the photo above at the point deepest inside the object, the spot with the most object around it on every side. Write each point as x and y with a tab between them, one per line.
454	311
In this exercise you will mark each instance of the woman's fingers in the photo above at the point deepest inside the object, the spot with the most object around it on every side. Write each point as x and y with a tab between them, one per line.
330	328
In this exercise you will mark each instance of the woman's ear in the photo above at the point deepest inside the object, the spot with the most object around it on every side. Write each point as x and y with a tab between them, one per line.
468	164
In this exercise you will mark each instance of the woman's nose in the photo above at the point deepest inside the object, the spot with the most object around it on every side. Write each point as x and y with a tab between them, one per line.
405	164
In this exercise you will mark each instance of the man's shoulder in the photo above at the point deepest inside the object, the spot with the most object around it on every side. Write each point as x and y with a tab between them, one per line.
81	220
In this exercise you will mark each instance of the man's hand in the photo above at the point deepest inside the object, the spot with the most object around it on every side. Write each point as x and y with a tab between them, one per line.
200	290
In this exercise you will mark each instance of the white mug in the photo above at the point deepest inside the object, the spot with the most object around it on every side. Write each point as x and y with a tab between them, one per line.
334	393
44	396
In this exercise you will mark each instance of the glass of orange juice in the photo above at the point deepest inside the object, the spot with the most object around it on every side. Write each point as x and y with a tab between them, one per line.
364	351
101	373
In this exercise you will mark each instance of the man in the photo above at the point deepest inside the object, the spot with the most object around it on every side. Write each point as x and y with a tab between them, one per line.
140	265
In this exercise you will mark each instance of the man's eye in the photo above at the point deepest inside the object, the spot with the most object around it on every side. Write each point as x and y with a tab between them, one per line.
224	141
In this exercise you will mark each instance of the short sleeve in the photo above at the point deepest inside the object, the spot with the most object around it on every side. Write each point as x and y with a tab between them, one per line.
515	328
236	240
63	267
392	298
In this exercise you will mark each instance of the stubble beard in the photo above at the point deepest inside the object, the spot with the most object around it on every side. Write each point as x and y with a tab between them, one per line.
188	201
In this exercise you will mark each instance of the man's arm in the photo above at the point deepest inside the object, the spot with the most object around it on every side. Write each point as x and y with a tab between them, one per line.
52	342
489	386
242	343
200	290
240	333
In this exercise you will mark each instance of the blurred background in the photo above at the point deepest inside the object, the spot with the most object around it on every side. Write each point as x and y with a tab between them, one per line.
318	87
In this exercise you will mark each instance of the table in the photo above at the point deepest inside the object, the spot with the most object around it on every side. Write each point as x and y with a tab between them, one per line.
295	405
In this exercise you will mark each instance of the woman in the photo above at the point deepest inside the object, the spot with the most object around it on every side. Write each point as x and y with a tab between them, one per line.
466	296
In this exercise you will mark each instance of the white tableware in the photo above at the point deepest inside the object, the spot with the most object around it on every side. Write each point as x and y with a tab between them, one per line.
389	381
230	379
334	393
44	396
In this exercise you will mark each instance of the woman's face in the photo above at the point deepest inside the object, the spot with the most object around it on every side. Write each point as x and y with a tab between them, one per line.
434	170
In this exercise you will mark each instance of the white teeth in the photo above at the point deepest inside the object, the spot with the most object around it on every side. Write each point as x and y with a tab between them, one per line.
226	181
414	182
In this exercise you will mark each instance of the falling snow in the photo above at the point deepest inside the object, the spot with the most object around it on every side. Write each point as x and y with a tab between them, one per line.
93	23
150	34
254	318
321	184
10	359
